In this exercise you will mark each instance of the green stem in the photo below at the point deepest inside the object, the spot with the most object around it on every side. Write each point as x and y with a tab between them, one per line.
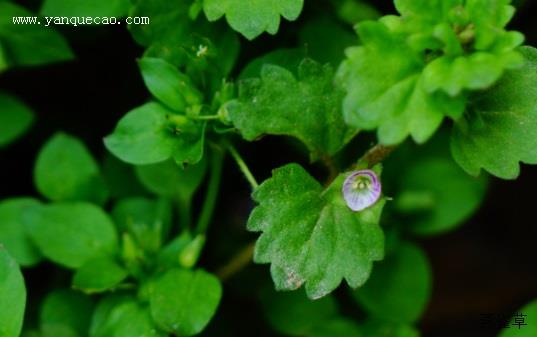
184	208
209	204
205	117
243	167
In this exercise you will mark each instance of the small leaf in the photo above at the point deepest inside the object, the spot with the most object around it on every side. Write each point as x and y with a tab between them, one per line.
292	313
184	301
13	234
168	84
254	17
70	234
15	118
169	180
530	318
13	295
65	170
400	286
307	107
301	223
19	40
82	8
500	130
121	316
98	275
152	134
68	308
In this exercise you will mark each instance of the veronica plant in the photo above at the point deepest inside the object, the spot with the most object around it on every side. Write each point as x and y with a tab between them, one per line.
130	230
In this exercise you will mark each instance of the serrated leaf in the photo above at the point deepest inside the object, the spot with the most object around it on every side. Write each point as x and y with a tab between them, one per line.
13	233
122	316
500	130
168	84
253	17
70	234
400	286
530	318
15	118
65	170
82	8
390	96
301	222
98	275
292	313
13	295
67	308
152	134
184	301
19	40
306	107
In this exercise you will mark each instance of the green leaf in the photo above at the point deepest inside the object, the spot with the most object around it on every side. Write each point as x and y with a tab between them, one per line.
168	84
15	118
400	286
253	17
65	170
184	301
19	40
13	295
529	330
385	91
307	107
68	308
12	232
379	328
98	275
338	327
82	8
452	195
120	316
168	256
288	58
70	234
292	313
152	134
310	236
500	129
169	180
148	221
120	178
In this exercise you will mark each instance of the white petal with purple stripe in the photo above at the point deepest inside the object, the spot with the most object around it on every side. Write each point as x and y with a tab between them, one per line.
361	189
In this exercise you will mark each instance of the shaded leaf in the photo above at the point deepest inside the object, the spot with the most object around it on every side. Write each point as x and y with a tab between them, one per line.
63	309
12	292
15	118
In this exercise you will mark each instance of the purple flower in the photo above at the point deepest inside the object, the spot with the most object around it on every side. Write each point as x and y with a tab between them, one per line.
361	189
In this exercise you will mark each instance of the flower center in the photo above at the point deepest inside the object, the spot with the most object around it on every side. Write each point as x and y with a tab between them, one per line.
361	183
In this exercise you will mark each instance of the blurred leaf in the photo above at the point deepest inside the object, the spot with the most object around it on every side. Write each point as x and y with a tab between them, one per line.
301	222
65	170
169	256
123	317
148	221
70	234
354	11
326	40
400	286
339	327
288	58
184	301
57	330
68	308
379	328
500	130
151	134
98	275
253	18
13	295
84	8
292	313
169	180
530	318
20	40
15	117
13	233
120	178
306	107
168	84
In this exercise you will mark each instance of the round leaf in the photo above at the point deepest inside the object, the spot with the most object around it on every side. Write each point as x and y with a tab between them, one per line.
98	275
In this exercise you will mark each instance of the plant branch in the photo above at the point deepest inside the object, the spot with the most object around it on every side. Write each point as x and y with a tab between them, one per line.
237	263
209	204
376	154
242	166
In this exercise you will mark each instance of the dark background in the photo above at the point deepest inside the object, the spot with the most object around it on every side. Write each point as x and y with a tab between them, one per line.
486	267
